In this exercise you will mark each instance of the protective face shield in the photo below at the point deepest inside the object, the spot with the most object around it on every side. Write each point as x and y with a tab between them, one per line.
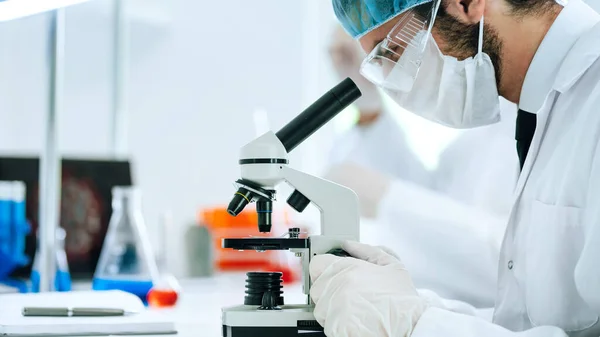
457	94
394	63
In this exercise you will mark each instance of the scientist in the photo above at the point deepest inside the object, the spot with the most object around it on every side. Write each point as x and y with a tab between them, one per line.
542	55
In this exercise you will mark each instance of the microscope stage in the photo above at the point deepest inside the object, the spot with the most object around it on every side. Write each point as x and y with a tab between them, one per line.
291	320
265	243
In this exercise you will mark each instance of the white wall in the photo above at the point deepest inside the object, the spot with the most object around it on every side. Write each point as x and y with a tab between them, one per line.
194	84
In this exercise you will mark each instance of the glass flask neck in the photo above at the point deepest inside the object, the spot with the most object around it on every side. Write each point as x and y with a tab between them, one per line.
126	198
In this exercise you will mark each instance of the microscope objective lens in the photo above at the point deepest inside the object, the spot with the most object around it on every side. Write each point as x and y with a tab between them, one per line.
264	210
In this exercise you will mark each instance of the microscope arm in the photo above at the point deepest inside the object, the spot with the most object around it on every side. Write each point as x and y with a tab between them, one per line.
338	204
340	216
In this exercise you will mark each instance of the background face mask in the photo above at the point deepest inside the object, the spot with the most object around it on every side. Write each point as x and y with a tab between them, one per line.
458	94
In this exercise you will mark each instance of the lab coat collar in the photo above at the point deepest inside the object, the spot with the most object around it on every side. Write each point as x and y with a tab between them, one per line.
574	20
583	54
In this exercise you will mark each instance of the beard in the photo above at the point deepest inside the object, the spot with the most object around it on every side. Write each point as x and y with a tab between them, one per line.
461	39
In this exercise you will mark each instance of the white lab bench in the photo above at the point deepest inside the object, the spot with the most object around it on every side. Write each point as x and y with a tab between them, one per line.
198	310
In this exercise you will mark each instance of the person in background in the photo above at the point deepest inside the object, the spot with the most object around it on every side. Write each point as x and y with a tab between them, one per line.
376	141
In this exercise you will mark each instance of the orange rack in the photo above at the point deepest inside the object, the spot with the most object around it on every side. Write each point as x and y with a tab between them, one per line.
221	224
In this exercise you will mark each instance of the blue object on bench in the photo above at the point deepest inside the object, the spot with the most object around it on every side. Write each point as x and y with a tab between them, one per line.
13	230
62	277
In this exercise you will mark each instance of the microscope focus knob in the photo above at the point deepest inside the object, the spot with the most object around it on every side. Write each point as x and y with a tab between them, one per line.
294	232
269	301
298	201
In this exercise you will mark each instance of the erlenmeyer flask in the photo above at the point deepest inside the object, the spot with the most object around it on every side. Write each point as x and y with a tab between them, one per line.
126	262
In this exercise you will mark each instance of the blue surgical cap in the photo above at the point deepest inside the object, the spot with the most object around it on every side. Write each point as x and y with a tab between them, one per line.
358	17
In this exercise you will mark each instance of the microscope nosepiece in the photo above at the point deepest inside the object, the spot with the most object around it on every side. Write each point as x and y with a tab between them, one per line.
241	198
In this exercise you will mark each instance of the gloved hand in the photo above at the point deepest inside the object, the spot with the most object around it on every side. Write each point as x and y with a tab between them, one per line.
368	295
347	57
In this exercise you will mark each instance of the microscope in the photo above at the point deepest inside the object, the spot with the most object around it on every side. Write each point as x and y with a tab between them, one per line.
264	164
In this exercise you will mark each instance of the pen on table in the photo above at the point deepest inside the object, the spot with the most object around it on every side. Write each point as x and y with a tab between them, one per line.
73	312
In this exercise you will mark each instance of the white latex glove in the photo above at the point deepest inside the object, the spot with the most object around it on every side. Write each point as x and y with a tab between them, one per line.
369	295
347	57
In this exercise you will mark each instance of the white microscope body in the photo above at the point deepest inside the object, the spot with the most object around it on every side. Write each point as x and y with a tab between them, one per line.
264	164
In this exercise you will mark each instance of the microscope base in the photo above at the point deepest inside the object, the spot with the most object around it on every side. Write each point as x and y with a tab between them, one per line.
291	320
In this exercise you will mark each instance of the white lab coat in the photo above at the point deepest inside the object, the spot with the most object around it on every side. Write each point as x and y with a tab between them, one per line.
549	279
595	4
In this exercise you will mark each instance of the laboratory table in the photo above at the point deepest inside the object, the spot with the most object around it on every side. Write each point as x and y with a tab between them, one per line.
198	310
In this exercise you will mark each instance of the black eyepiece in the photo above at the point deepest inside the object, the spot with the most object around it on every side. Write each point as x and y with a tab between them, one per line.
264	209
318	114
241	198
298	201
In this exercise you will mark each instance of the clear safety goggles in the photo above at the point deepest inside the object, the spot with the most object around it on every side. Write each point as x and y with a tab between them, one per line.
394	63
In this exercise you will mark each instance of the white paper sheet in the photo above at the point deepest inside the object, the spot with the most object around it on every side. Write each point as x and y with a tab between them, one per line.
13	323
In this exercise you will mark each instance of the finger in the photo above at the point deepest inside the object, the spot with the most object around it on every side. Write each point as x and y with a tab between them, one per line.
369	253
324	270
319	263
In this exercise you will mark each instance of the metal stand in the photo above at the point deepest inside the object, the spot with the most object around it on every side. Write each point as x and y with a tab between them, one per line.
50	165
118	132
50	161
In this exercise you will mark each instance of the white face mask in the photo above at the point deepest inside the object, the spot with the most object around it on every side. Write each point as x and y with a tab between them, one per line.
458	94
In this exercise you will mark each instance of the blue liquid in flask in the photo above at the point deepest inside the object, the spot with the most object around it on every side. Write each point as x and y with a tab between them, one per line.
126	262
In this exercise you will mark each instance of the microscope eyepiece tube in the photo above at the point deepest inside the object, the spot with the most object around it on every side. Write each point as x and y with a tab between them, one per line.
318	114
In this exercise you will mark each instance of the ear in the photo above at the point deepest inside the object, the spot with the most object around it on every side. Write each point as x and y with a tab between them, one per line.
466	11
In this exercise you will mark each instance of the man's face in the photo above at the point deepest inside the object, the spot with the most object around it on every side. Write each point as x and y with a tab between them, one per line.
453	37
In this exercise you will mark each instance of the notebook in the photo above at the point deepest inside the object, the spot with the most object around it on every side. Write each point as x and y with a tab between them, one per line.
141	321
